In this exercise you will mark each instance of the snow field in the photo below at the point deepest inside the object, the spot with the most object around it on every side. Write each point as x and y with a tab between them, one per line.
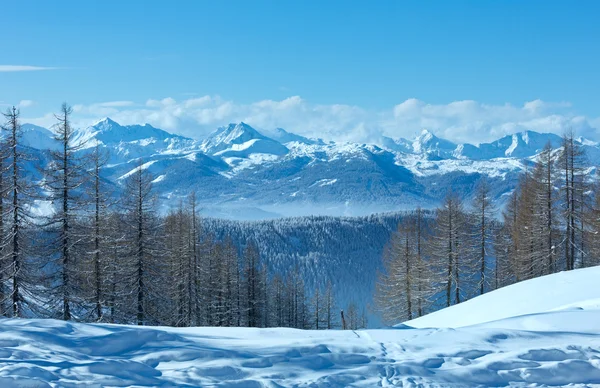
38	353
543	332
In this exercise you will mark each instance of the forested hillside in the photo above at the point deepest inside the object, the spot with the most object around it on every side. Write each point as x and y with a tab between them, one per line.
344	250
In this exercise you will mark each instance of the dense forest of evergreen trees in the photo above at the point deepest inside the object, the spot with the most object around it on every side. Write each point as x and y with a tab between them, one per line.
95	259
550	224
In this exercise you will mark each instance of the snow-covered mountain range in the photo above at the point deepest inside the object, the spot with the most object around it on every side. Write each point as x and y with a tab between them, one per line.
242	173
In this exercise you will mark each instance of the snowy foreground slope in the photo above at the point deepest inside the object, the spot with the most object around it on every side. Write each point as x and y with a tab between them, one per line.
556	344
562	292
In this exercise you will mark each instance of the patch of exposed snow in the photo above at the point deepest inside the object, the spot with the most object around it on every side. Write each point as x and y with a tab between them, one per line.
323	182
143	167
513	146
238	164
159	178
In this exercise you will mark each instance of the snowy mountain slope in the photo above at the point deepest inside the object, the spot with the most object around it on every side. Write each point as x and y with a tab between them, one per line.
240	137
108	131
38	137
397	145
284	137
432	147
124	143
560	349
572	290
426	145
240	167
519	145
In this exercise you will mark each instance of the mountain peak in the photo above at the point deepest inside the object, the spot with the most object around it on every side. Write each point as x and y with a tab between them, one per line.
109	131
433	146
426	137
105	122
234	133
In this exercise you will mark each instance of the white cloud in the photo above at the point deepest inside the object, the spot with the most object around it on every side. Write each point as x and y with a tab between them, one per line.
13	68
116	104
26	103
459	121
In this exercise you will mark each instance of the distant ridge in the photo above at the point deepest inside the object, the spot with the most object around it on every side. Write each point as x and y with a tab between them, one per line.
237	167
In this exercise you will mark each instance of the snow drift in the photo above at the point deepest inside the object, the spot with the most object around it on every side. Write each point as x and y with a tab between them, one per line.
570	290
553	341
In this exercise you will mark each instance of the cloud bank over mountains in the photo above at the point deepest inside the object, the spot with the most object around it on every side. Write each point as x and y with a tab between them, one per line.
459	121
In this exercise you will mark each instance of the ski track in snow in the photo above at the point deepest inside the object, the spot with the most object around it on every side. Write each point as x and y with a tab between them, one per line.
48	353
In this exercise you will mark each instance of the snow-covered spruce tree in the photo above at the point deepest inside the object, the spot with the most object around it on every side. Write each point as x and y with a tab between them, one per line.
142	269
64	180
448	249
481	218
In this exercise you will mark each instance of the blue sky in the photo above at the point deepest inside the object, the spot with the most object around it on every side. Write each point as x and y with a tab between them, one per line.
358	56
